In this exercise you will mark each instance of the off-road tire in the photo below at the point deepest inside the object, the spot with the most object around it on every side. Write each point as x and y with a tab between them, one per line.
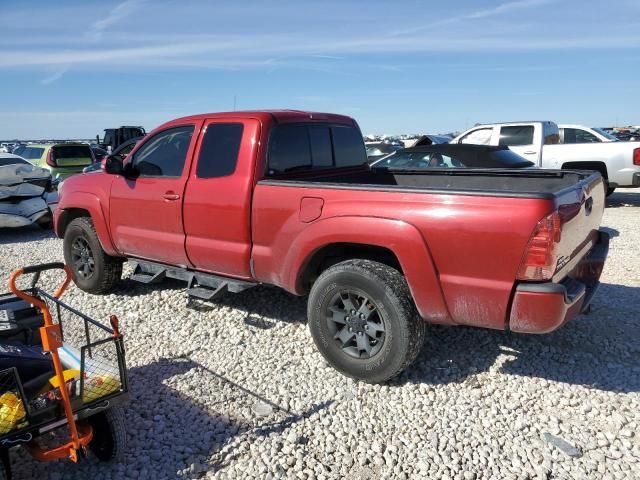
109	440
108	269
387	288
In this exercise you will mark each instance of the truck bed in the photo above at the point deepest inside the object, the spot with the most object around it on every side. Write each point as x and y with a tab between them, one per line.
529	183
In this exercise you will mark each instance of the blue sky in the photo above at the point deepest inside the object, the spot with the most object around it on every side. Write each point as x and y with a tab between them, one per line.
70	69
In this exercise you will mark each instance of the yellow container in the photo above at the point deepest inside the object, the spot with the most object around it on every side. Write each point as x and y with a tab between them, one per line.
11	412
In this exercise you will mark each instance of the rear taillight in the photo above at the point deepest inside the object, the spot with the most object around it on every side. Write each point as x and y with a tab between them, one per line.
51	161
540	257
636	157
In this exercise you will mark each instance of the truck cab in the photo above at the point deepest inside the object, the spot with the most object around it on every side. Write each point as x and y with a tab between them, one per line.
525	138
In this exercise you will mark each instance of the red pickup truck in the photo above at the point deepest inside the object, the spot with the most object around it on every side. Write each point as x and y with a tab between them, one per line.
226	201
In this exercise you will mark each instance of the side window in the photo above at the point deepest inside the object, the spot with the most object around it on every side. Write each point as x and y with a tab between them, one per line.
582	136
348	146
164	154
568	135
289	149
517	135
219	150
320	139
482	136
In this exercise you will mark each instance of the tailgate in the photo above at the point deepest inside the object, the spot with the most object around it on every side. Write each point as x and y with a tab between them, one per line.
72	155
580	208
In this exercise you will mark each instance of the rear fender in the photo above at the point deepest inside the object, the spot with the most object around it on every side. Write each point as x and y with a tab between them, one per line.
91	204
403	239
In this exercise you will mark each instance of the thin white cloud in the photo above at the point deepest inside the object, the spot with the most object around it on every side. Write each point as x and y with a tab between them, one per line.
246	52
118	13
53	77
500	9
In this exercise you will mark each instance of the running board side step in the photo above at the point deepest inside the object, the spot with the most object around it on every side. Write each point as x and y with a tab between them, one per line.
140	276
205	286
204	293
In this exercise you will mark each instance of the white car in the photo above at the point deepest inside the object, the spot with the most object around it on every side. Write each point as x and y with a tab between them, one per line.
564	147
27	193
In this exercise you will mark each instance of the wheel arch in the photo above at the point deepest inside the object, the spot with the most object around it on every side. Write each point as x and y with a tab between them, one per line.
85	205
588	165
395	243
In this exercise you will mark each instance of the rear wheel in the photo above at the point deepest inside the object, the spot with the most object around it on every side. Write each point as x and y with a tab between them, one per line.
363	320
109	436
610	190
93	270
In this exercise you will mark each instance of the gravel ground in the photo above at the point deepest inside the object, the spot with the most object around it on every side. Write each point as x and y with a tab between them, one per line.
236	389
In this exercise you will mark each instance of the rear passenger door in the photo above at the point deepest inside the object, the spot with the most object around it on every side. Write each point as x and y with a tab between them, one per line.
217	202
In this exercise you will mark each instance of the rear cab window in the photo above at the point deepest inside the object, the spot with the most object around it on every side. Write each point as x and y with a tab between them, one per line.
305	147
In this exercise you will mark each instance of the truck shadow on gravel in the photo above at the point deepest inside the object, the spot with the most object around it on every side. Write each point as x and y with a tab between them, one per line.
623	199
599	350
32	233
182	421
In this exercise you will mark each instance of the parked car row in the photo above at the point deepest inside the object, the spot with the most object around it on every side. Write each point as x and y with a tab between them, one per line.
545	144
564	147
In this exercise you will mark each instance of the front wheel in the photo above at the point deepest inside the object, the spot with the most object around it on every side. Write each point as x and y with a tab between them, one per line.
363	320
93	270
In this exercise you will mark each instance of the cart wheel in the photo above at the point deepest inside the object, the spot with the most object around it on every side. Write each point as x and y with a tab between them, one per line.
109	436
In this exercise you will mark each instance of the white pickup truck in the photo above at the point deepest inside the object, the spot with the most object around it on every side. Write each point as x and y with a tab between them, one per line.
572	147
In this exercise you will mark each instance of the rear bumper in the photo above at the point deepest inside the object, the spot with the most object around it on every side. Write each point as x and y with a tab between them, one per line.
545	307
636	180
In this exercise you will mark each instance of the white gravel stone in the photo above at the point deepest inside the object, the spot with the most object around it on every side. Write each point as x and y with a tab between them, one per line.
474	406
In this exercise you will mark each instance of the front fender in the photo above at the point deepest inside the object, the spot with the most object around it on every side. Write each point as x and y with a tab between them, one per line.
98	213
402	238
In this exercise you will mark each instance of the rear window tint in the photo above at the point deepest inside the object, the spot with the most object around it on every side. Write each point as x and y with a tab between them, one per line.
320	139
32	153
72	151
307	147
289	149
219	150
516	135
348	146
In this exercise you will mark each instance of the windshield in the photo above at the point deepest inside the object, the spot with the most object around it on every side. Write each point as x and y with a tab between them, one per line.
32	153
419	160
606	134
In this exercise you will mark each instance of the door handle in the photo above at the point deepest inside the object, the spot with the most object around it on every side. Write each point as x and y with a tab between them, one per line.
171	196
530	152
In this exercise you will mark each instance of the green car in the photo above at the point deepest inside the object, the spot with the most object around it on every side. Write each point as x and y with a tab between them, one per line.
62	159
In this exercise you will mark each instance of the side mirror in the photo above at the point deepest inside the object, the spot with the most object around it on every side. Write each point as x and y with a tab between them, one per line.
113	165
